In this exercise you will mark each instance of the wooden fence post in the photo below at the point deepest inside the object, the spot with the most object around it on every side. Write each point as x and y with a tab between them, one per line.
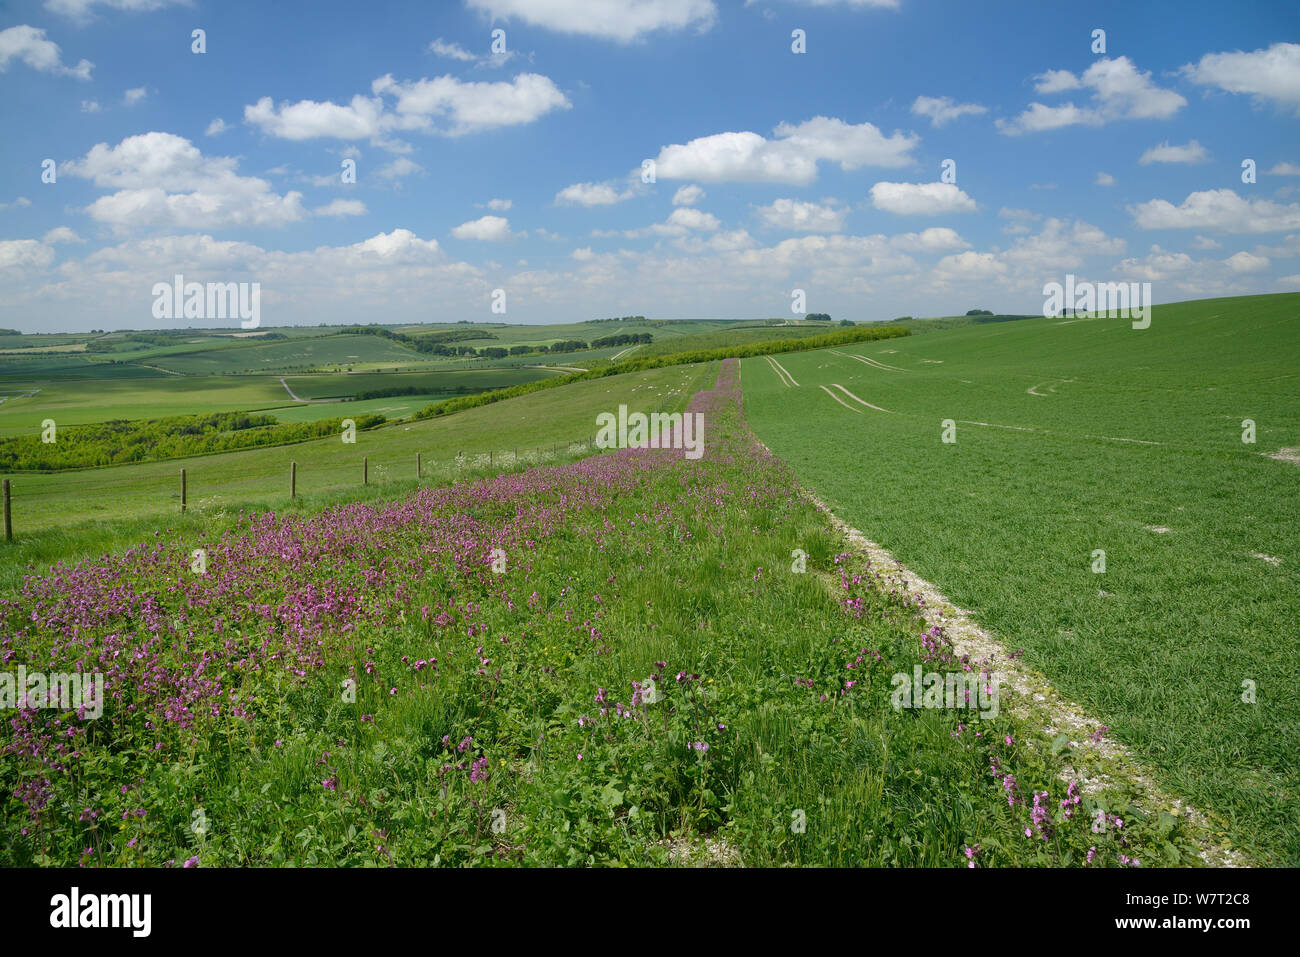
365	470
417	466
9	528
182	490
293	479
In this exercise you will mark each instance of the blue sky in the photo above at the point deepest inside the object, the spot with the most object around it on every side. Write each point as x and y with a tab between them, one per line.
522	171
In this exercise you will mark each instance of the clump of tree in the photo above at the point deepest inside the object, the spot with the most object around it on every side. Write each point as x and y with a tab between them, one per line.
818	317
623	339
621	319
979	312
149	440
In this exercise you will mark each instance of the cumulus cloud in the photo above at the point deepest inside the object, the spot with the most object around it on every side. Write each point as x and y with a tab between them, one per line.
688	195
592	194
61	234
500	204
135	95
1244	262
942	110
28	45
790	157
1284	169
1218	210
216	127
24	254
83	10
1271	75
619	20
455	51
1192	152
1104	179
799	216
1119	91
164	180
487	228
921	199
445	105
342	207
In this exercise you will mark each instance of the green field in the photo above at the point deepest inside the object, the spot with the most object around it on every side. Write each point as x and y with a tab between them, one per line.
1077	435
261	476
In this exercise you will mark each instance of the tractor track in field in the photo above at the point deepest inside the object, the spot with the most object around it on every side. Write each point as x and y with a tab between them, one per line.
1096	765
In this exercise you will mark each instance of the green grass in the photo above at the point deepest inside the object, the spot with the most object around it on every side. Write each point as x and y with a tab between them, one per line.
611	568
392	407
325	386
357	352
1006	520
83	401
260	477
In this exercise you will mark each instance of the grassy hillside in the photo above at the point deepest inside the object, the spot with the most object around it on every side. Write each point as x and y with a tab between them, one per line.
1075	436
261	477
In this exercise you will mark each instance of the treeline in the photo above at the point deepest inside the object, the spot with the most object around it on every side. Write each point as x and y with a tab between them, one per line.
621	319
433	344
623	339
459	404
150	440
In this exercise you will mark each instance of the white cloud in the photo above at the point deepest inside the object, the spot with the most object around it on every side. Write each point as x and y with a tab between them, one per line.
467	107
620	20
1218	209
799	216
342	207
592	194
488	228
1267	75
1284	169
84	9
29	45
1244	262
1008	212
216	127
453	51
1104	179
932	240
1056	81
90	106
943	110
969	265
791	157
61	234
164	180
396	169
475	106
20	201
1192	152
1205	242
688	195
24	254
1119	91
921	199
500	204
134	95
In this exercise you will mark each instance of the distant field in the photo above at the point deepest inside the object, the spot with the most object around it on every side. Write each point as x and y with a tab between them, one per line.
82	401
1077	435
393	407
260	477
720	338
282	355
343	384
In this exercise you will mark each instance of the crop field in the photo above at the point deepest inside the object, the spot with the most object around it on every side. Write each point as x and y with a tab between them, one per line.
606	662
1073	437
326	386
81	401
357	352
